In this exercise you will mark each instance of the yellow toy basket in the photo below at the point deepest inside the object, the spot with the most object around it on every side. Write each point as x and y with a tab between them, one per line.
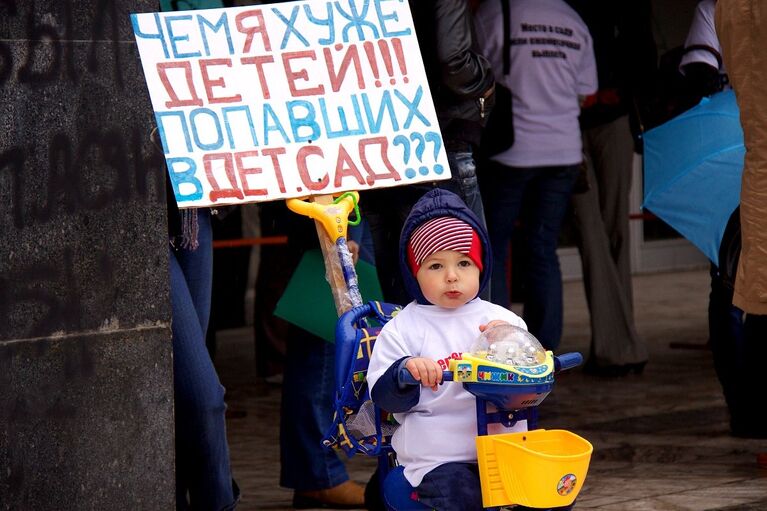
539	468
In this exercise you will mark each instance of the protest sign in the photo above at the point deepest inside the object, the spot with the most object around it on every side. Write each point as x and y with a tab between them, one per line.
289	100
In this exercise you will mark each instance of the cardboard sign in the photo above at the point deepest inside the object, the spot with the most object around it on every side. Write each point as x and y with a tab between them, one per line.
289	100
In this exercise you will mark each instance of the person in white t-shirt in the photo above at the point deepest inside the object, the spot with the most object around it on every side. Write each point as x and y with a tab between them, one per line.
552	69
702	44
701	64
445	261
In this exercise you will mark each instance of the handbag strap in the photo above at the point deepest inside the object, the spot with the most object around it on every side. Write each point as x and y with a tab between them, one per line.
506	36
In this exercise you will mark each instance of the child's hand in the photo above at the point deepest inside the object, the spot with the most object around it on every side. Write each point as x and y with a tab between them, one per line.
492	324
425	370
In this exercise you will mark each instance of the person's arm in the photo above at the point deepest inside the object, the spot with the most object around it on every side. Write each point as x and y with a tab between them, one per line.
390	354
388	394
465	72
701	79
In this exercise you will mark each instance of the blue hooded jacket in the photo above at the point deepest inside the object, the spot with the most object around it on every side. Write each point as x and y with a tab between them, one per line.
435	203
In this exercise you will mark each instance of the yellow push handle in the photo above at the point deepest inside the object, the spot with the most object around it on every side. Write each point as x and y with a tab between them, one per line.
334	217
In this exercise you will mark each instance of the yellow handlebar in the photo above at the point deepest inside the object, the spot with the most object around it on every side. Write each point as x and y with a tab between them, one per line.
334	217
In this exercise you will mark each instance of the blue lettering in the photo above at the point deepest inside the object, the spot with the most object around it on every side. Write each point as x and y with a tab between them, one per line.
221	23
412	107
296	123
384	17
385	107
357	20
161	117
169	20
225	111
344	131
159	35
184	177
290	27
274	125
219	142
326	22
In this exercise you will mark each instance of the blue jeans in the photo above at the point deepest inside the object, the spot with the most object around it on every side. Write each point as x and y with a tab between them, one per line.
203	476
439	490
307	413
463	180
545	193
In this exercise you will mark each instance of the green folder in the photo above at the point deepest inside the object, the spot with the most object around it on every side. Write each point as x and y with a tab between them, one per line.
308	300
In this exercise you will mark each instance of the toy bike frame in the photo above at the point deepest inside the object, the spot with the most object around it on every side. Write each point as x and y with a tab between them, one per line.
538	468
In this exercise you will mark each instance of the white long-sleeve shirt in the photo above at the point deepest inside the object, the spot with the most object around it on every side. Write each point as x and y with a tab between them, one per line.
442	427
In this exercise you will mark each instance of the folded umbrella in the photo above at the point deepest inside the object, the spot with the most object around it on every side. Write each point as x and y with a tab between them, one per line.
692	170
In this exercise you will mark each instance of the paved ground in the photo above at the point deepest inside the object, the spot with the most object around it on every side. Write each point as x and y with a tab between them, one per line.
660	438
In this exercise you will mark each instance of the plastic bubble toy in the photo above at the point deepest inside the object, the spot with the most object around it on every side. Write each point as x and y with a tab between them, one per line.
506	366
509	345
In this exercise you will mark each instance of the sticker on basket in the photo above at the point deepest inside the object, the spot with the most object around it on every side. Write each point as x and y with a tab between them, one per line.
566	484
464	372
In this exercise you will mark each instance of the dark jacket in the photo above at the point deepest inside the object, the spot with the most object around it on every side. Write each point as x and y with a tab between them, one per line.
458	76
625	53
434	203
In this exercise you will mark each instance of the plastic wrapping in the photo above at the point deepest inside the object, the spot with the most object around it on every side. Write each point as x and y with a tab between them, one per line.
348	295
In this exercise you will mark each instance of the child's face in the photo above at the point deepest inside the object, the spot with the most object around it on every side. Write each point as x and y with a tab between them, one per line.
448	279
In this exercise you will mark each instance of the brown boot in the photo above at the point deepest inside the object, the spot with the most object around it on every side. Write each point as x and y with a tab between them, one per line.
347	495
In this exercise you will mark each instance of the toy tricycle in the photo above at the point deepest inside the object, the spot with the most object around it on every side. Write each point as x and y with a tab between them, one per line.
506	368
509	369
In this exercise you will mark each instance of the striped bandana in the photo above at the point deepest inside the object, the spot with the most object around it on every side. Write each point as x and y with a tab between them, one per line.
443	233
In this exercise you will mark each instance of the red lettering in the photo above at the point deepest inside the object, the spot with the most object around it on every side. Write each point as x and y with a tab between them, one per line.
244	172
259	28
218	192
383	142
274	154
301	74
259	63
303	169
175	101
345	167
351	56
218	82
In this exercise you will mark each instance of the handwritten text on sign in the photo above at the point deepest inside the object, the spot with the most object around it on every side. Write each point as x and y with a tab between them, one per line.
288	100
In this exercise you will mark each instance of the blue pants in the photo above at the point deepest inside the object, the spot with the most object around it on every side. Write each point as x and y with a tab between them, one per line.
545	192
307	413
738	349
456	486
203	476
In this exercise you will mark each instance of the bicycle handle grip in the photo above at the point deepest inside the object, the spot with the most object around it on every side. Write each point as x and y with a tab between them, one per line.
405	378
567	361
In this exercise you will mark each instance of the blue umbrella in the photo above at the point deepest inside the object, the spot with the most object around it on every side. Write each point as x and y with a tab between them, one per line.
692	169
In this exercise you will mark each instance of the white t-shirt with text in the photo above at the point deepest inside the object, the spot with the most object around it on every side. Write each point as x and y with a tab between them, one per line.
552	64
442	427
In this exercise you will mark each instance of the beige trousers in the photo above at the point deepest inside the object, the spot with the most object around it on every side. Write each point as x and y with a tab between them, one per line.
741	26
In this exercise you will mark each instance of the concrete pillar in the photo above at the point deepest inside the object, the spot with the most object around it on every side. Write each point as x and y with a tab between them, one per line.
86	384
